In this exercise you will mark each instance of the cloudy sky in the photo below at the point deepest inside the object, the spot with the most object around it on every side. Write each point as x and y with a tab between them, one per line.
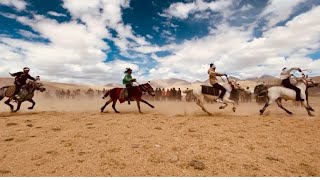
93	41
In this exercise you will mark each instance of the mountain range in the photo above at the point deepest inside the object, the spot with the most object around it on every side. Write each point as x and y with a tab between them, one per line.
157	83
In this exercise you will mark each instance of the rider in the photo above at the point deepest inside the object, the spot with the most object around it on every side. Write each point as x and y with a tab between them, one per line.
285	77
20	80
127	81
214	82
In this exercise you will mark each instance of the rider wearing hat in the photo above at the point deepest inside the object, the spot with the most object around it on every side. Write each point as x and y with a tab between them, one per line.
285	77
21	79
127	81
214	81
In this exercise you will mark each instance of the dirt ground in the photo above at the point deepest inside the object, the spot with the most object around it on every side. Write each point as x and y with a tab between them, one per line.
72	138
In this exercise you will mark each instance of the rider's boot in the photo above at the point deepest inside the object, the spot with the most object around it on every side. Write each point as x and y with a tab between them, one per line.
219	100
298	97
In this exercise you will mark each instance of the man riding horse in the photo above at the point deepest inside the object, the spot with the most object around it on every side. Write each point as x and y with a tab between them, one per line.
20	80
285	77
128	81
214	81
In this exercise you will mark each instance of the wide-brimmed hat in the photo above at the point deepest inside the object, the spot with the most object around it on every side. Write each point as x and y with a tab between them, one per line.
127	70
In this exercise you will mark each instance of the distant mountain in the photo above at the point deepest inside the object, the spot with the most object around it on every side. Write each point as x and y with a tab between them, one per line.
171	82
197	82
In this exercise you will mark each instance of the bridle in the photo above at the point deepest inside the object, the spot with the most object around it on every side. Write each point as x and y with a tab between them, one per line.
142	86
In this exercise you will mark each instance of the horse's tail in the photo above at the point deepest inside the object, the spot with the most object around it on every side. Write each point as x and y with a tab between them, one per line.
263	93
106	95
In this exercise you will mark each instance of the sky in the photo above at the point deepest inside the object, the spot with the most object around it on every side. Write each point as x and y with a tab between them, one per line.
94	41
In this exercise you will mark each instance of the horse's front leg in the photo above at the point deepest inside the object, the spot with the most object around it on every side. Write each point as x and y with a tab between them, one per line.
233	104
146	103
33	103
307	108
138	104
7	102
18	106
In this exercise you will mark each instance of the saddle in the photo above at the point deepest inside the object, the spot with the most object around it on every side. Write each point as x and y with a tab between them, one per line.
209	90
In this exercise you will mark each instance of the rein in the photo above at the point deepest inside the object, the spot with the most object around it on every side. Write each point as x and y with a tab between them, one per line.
142	86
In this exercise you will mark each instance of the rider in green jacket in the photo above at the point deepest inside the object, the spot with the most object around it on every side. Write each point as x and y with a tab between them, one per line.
128	81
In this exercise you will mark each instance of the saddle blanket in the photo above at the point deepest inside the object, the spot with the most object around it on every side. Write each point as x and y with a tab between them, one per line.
10	91
123	95
209	90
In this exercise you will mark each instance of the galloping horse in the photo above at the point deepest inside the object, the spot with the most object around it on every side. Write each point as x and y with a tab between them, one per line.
276	93
26	94
197	92
136	93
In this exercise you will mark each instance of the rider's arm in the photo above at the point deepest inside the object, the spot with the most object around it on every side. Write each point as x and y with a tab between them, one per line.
295	68
212	72
219	74
16	74
30	77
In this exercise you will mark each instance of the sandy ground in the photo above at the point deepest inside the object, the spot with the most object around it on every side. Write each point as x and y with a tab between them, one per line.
72	138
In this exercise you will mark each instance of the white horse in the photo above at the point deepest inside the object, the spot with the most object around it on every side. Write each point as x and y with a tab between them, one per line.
276	93
229	86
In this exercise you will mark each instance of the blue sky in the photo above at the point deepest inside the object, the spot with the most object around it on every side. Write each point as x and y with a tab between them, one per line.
93	41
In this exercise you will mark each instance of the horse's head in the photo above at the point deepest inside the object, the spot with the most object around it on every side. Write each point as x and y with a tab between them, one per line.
235	85
147	88
36	85
308	82
311	83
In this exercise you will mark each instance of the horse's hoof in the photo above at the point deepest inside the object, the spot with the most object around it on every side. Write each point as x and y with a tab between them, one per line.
152	106
117	112
30	108
221	107
310	114
261	112
290	113
234	109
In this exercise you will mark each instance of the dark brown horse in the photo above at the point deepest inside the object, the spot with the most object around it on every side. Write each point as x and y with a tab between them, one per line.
135	93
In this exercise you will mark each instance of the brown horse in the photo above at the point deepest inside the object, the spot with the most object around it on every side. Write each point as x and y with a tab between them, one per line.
135	93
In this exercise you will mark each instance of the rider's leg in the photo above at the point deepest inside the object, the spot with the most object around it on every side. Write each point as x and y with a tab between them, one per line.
17	90
221	88
128	86
286	83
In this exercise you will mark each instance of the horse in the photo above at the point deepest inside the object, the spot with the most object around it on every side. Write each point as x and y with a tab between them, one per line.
26	94
136	94
276	93
200	96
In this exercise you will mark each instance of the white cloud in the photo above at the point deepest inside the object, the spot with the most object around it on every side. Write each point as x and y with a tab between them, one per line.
17	4
233	50
278	10
28	34
183	10
52	13
246	7
76	52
